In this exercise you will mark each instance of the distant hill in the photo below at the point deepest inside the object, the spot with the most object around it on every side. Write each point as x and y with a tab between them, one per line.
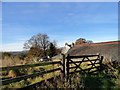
17	52
110	50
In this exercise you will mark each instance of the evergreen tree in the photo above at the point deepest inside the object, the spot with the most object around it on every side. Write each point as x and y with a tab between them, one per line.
52	50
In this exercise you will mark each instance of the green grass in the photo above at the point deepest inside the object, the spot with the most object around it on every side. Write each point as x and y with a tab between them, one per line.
28	71
106	80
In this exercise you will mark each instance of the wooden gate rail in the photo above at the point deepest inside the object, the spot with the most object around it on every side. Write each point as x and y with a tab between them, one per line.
74	57
29	65
24	77
95	64
84	71
82	61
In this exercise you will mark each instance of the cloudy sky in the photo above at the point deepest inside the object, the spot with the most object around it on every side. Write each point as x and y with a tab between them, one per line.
61	21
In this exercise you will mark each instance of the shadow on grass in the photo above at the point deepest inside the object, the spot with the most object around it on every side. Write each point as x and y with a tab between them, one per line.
99	82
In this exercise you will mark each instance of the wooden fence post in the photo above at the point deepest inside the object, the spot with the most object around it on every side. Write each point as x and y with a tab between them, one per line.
101	59
67	66
63	66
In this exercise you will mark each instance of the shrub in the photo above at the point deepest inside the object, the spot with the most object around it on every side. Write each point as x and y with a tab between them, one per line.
13	73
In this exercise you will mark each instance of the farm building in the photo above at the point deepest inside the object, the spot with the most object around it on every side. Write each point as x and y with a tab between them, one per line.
110	50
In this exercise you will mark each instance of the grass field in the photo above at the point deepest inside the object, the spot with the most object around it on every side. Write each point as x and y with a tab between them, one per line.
108	79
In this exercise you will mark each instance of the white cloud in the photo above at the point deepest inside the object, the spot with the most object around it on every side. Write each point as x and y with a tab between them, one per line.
13	46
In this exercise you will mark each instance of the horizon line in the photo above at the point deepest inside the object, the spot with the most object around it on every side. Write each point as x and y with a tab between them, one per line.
63	46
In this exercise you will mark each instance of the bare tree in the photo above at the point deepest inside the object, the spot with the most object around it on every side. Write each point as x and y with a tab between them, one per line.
80	41
83	41
40	41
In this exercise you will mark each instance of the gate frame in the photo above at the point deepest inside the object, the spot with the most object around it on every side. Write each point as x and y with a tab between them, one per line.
100	58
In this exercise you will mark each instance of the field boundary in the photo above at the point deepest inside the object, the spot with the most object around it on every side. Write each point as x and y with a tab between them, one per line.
95	66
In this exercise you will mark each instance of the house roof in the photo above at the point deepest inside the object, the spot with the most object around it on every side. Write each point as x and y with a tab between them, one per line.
110	50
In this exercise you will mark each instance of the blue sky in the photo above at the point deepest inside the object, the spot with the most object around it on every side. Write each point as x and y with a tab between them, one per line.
62	21
60	0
